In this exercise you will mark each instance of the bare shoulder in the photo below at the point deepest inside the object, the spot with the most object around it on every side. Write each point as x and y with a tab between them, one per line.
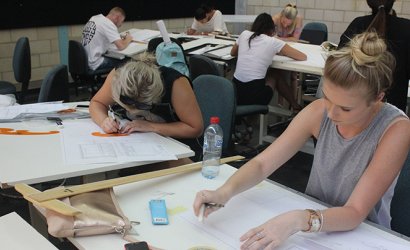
182	81
400	126
311	116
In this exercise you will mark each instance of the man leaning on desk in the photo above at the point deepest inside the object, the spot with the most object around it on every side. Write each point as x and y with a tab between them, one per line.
207	20
99	33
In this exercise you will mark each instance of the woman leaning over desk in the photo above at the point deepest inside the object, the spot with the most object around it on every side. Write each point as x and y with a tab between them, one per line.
362	143
140	87
288	23
288	27
255	49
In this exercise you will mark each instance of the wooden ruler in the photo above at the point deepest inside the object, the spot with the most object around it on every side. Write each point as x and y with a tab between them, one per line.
49	198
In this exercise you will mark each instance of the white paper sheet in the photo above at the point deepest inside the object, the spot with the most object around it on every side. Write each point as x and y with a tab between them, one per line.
13	111
256	206
144	34
79	146
226	51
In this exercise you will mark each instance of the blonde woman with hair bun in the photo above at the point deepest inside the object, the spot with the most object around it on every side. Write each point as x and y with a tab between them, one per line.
362	143
288	27
141	87
288	24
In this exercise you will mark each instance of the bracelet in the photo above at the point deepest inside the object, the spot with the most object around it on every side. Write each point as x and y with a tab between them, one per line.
315	221
321	219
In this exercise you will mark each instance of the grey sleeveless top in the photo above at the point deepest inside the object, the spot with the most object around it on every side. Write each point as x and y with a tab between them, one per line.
339	163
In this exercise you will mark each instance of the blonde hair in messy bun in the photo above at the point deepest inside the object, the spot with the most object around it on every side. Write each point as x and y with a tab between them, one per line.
365	62
139	80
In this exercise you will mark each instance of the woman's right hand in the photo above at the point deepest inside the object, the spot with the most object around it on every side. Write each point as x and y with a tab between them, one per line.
109	125
208	196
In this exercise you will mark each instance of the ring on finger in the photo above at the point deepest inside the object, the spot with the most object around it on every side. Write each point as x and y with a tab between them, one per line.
259	235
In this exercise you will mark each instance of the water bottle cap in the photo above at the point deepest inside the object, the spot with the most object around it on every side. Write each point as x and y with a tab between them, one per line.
214	120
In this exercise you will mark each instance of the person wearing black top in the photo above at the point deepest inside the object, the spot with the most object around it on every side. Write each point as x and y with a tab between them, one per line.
396	31
157	99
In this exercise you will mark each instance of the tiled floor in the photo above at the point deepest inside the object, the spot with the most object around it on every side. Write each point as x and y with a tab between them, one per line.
293	174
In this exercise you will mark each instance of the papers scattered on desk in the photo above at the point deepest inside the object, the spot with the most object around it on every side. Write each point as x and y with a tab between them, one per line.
143	35
38	111
80	147
261	203
218	51
224	52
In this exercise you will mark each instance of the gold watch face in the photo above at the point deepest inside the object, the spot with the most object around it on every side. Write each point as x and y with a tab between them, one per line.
315	224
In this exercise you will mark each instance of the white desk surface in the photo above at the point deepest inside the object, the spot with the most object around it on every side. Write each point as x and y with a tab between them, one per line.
313	65
17	234
141	35
239	18
34	159
222	229
315	55
205	40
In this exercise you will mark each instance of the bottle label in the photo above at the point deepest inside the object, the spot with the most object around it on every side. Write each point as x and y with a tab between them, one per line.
218	141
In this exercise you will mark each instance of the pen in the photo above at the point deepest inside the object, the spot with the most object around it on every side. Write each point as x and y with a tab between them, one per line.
57	120
140	42
82	106
207	205
211	204
111	113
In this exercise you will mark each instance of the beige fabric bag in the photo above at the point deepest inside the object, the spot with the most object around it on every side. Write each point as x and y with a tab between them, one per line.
101	214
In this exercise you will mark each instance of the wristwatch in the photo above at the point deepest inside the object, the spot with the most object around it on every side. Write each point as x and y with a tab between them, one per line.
314	221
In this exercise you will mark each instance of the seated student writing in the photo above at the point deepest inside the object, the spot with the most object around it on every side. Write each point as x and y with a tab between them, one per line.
100	33
255	50
207	20
362	143
140	87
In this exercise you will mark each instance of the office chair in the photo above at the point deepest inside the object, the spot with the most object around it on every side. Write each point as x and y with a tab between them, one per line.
216	97
21	69
315	33
7	88
55	85
202	65
400	204
79	69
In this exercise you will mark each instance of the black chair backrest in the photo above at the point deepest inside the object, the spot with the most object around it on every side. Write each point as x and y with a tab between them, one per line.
22	61
154	42
314	33
77	58
400	204
202	65
55	85
216	97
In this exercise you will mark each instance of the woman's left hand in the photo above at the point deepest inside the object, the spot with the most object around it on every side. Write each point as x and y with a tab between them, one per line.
272	233
137	126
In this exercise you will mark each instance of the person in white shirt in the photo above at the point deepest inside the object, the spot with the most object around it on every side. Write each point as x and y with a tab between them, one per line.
255	49
207	20
99	33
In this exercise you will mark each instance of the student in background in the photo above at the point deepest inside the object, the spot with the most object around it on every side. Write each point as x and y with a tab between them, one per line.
140	87
361	140
207	20
255	49
288	24
99	33
288	27
396	32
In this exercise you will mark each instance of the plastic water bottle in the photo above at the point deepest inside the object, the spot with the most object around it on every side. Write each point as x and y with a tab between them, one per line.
212	150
